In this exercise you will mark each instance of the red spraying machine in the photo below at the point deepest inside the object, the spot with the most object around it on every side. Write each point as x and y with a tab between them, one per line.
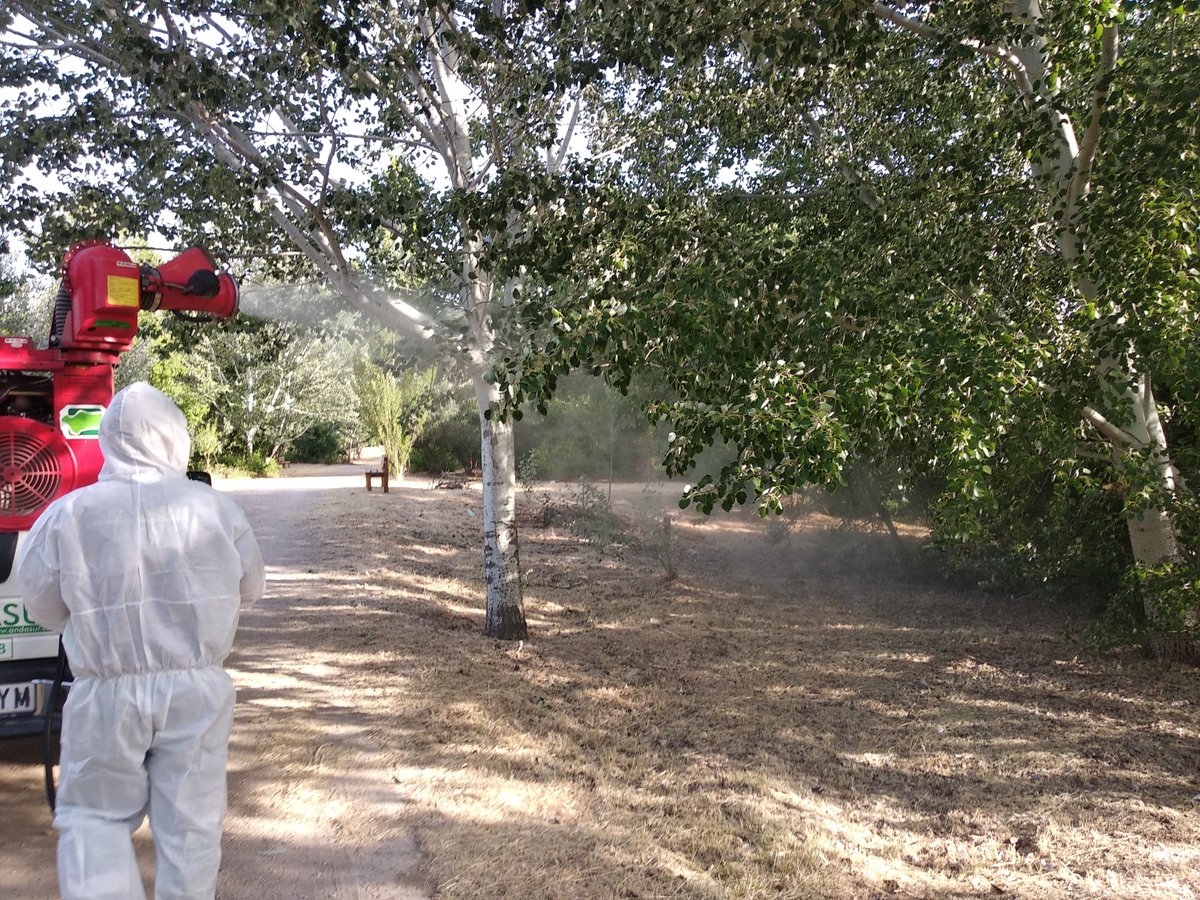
51	401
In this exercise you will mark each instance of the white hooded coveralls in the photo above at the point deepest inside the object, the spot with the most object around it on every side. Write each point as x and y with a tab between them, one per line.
144	573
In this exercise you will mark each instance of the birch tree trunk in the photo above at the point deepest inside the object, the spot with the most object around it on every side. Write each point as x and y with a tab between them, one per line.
505	617
1067	172
1152	534
505	614
504	604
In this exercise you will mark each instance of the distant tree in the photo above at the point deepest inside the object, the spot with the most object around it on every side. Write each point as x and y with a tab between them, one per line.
396	407
264	384
26	302
206	443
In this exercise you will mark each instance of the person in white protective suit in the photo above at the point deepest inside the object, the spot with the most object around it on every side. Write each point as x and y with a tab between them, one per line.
144	573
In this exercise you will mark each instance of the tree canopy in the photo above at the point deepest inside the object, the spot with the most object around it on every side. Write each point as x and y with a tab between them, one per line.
951	246
353	134
947	247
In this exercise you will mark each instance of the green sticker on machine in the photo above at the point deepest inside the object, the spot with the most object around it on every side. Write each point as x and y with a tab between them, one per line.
81	420
15	620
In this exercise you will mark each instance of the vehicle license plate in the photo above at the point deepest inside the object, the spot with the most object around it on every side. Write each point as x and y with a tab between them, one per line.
18	698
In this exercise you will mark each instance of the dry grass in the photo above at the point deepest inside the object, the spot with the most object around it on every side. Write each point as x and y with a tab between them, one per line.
788	718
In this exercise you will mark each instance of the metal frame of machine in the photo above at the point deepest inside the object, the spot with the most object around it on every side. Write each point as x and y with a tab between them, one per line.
51	402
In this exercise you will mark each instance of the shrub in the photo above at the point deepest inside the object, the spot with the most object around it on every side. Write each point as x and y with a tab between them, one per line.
451	442
397	407
1156	607
254	464
324	442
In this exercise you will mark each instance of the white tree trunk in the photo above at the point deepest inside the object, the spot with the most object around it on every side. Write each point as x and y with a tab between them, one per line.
505	618
1152	534
501	563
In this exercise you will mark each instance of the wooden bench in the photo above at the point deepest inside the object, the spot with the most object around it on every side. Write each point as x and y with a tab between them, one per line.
382	473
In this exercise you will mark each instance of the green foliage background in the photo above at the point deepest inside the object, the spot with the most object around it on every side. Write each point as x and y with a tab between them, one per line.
838	242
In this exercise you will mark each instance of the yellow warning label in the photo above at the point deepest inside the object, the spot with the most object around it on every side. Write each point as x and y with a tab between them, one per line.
122	291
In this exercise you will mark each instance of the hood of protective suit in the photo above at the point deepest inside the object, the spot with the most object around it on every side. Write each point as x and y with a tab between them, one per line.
143	435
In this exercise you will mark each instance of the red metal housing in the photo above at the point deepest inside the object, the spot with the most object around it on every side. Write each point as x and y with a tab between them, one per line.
51	400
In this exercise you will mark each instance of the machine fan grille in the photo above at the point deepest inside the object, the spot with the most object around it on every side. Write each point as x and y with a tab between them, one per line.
31	470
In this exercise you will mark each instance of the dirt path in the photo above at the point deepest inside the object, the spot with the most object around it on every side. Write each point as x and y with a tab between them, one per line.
312	806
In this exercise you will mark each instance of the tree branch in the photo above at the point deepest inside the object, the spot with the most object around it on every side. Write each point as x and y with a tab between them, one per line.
1084	453
1091	137
1009	59
67	45
217	27
1117	435
445	74
572	122
174	36
287	205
